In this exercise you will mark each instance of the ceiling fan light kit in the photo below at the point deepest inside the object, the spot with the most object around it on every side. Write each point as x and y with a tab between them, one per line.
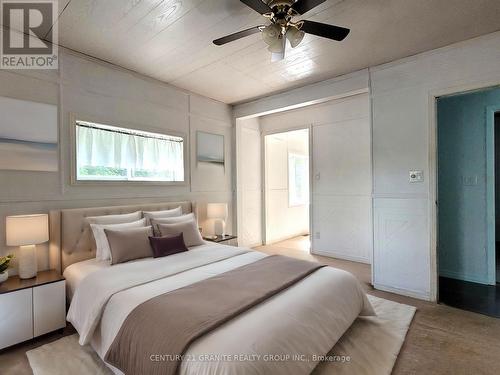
271	34
278	46
283	28
294	35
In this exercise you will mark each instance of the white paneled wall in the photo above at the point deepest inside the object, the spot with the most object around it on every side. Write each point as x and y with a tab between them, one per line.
401	259
341	169
249	184
404	139
108	94
342	181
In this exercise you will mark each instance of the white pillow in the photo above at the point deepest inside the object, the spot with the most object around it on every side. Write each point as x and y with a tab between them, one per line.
87	235
162	214
114	219
173	220
103	252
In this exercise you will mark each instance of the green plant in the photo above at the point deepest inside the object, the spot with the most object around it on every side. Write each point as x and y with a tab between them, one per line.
4	262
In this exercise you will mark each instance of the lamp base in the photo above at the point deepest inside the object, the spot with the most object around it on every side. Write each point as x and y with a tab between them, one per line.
27	262
219	227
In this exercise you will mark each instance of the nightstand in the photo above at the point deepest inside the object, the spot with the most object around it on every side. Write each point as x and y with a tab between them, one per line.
225	240
31	307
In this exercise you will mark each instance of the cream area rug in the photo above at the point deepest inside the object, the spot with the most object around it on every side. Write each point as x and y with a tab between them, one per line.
370	346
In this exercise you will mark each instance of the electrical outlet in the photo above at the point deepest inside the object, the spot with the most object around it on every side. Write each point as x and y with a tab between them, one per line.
317	235
469	180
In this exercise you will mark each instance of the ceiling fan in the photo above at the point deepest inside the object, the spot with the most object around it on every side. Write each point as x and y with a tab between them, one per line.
283	28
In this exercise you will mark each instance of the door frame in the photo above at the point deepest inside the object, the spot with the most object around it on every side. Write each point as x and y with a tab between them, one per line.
490	190
432	97
264	179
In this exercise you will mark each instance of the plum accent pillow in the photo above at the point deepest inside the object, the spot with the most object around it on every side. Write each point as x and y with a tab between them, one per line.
168	245
130	244
149	215
170	220
189	229
103	251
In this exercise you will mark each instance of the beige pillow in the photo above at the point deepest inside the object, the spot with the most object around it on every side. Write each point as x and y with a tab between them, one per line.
170	220
101	242
149	215
189	229
129	244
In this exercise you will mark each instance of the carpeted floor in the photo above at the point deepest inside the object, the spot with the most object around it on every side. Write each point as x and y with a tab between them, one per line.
442	340
369	347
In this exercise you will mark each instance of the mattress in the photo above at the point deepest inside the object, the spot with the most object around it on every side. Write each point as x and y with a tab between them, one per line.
76	272
307	319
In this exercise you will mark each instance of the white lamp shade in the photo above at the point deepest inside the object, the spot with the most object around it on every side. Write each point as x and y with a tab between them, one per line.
25	230
217	211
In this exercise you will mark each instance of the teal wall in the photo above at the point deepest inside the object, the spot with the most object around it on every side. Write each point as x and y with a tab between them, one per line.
466	185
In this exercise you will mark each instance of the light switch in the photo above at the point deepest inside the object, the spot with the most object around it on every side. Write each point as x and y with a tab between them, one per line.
416	176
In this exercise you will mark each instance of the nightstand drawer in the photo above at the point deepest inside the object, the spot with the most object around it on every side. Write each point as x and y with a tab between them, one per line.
16	324
49	308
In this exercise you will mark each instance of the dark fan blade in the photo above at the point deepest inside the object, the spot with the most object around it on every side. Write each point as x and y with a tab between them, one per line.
258	6
302	6
236	36
324	30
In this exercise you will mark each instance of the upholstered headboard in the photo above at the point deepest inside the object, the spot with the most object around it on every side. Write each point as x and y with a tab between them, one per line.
70	238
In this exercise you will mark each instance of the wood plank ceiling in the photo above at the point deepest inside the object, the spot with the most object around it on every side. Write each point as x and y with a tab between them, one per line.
171	40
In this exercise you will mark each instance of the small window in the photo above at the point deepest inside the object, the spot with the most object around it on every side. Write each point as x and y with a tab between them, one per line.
109	153
298	180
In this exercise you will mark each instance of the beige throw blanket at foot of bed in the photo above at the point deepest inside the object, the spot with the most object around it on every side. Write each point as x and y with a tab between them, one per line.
167	324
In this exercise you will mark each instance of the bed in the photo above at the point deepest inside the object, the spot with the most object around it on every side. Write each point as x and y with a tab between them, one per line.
284	334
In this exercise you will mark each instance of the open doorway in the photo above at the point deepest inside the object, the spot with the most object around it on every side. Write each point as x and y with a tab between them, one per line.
469	200
286	187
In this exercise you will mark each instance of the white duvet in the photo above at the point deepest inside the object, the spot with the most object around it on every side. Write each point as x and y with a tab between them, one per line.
286	334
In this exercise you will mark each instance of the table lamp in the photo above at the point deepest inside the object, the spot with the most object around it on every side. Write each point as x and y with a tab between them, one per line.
27	231
218	212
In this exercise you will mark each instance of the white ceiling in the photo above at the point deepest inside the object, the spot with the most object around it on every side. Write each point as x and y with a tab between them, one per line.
171	40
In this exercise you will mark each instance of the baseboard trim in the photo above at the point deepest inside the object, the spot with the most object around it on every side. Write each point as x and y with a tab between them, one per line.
464	277
285	238
253	245
341	256
404	292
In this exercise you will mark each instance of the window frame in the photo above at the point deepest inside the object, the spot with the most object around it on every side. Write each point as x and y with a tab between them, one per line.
307	196
114	182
